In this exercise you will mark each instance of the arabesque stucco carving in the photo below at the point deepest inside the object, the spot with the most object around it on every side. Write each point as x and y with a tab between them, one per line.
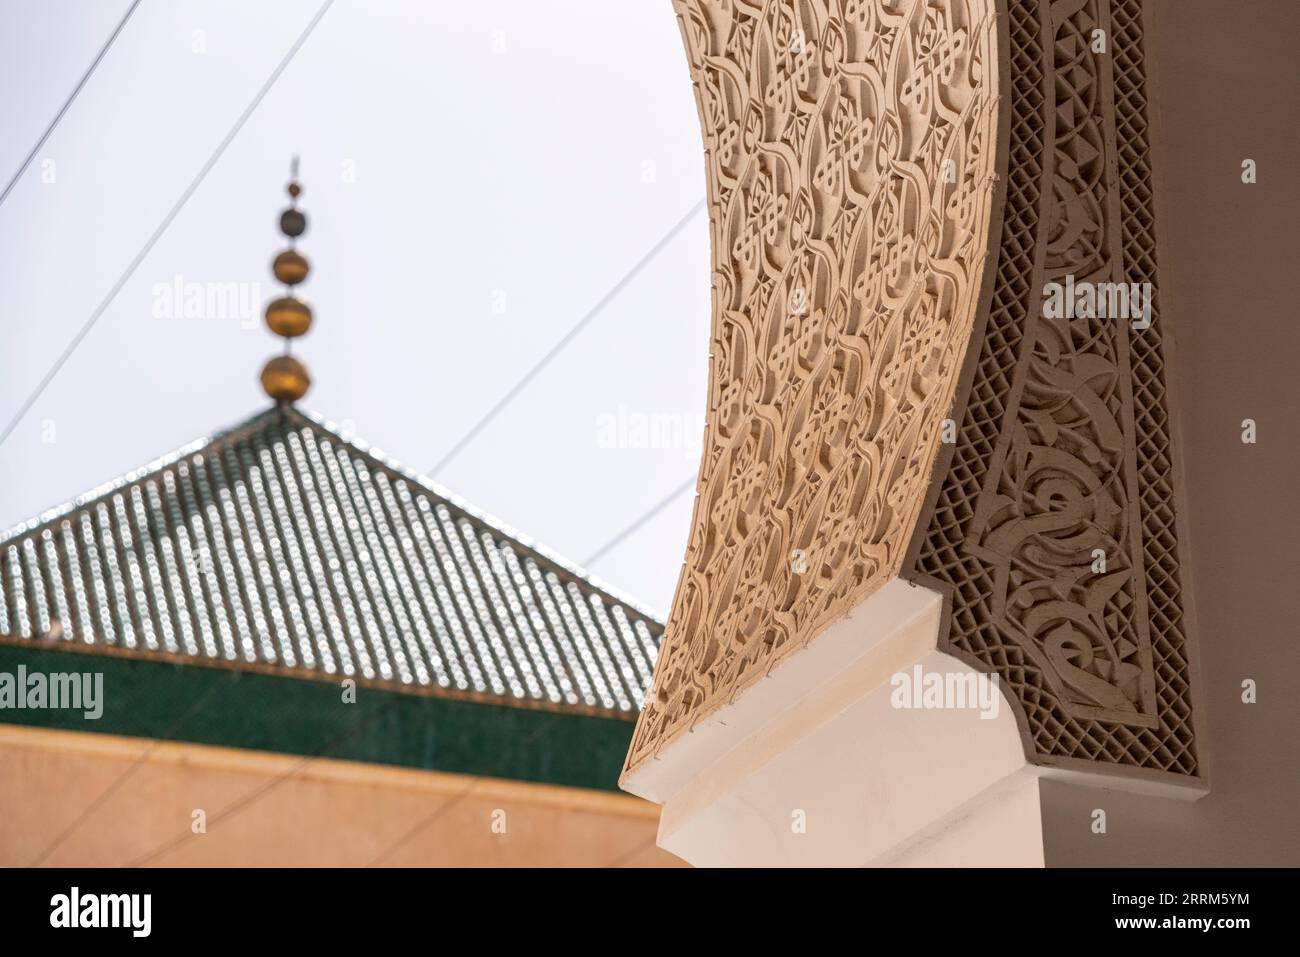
1054	529
850	155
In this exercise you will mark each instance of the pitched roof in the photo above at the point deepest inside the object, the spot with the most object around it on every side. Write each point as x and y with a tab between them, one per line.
278	545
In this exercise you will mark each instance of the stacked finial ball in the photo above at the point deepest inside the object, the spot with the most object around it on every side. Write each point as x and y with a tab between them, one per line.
284	378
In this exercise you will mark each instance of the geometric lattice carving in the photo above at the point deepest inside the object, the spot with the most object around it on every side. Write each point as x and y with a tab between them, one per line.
850	155
1064	442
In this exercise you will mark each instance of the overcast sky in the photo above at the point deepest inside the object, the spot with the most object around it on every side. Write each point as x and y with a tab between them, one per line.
478	176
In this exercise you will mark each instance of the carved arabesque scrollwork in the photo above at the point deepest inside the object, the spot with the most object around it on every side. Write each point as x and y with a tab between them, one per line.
850	157
1054	530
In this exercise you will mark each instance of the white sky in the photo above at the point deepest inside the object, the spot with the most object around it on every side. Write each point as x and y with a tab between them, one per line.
536	150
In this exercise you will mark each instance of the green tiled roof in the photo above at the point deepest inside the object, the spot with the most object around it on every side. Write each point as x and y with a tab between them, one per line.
280	546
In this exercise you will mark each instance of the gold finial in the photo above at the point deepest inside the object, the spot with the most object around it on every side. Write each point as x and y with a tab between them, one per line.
284	378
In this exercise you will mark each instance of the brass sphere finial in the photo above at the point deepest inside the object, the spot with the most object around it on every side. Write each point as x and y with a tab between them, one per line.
284	378
288	317
291	267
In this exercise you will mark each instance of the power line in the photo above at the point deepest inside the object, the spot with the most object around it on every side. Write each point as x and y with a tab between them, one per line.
559	347
162	227
67	103
135	766
654	510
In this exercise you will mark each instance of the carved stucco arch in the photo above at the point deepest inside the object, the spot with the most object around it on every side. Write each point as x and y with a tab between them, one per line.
891	184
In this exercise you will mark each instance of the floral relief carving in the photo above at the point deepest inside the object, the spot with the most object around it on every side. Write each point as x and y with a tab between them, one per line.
1054	518
1054	531
850	155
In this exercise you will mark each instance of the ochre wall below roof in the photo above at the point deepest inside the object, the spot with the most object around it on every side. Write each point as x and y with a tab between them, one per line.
283	810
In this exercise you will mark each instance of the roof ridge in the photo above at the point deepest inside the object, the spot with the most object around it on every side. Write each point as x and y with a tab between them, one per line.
218	440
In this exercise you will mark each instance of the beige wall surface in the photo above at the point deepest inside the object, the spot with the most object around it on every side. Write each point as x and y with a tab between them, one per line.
1228	90
76	799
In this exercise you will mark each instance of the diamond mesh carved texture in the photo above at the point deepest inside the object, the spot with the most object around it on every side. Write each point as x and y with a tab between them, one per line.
945	556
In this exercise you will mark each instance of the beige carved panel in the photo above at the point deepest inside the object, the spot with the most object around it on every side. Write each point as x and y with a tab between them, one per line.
1054	527
850	155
